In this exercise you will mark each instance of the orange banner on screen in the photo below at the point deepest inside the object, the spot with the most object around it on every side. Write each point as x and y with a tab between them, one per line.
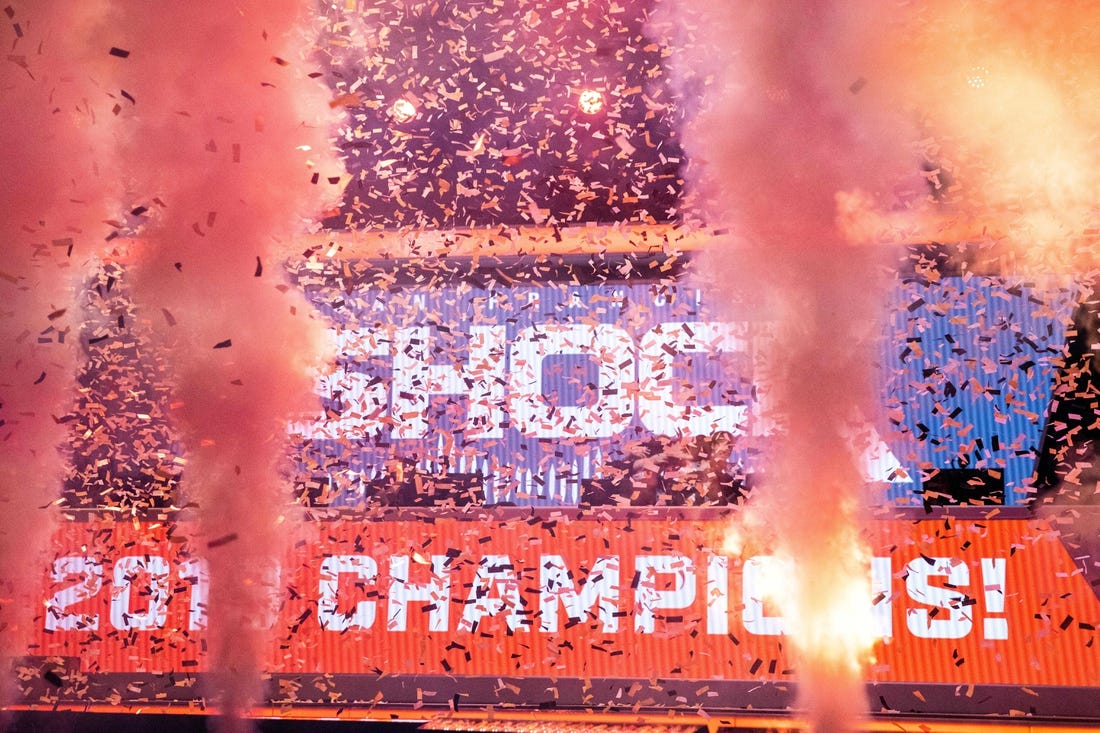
954	601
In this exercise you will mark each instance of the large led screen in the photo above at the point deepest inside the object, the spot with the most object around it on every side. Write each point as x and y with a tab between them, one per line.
541	384
521	478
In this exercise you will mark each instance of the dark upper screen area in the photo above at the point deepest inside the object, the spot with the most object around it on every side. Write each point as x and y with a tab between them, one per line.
464	114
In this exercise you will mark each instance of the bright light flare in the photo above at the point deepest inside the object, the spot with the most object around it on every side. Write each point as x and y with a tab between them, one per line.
402	110
842	627
732	542
828	617
590	101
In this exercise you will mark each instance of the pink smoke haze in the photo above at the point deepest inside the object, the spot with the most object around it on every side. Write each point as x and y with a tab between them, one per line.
55	186
228	146
201	120
822	125
789	122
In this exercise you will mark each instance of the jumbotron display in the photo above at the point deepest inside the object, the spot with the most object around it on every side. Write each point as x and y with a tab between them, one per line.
523	478
550	383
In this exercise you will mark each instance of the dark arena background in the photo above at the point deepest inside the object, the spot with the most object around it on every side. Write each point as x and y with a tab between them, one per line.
582	365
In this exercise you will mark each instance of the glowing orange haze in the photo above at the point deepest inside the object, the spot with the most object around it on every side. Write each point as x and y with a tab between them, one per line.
1006	100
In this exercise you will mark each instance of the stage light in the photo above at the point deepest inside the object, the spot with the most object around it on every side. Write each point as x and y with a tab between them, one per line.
590	101
402	110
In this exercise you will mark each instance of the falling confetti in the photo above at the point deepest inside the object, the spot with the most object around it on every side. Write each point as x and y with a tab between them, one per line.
506	455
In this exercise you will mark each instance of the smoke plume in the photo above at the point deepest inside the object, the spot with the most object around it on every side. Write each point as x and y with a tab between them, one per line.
821	125
55	183
198	125
790	124
228	149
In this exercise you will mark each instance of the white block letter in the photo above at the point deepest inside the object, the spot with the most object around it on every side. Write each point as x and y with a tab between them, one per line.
481	379
611	409
57	618
956	623
657	399
135	568
332	568
601	587
652	594
763	574
495	575
435	593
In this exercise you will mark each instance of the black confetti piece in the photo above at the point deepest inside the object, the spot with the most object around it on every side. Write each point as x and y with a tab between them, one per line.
224	540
